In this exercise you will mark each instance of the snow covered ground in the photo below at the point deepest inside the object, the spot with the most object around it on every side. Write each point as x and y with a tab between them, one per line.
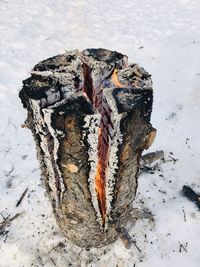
163	37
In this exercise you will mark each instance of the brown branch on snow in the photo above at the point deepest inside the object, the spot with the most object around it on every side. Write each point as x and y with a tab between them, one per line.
151	157
125	237
24	125
123	234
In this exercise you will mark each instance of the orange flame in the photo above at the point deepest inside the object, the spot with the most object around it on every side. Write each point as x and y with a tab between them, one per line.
100	190
100	180
115	79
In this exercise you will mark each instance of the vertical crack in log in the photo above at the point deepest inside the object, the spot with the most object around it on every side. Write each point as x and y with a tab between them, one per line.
88	84
96	98
103	153
109	137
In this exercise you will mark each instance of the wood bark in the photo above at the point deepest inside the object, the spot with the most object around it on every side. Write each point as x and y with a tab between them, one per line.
89	113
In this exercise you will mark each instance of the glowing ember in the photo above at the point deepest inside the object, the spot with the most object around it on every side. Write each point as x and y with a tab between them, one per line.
115	80
103	144
100	190
103	153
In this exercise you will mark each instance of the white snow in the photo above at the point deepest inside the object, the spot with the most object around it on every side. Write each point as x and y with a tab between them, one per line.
163	37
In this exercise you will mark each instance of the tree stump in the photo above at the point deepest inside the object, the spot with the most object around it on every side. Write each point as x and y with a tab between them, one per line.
89	113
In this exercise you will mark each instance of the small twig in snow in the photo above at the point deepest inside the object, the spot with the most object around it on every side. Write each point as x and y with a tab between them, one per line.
184	215
59	245
183	247
186	142
22	197
174	160
162	191
53	261
3	216
6	222
134	242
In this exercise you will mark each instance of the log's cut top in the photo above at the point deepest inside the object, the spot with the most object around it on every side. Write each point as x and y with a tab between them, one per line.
62	76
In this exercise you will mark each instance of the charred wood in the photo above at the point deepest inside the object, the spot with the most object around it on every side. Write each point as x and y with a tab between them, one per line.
89	113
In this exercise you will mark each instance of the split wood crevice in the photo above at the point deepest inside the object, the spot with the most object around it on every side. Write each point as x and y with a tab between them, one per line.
90	113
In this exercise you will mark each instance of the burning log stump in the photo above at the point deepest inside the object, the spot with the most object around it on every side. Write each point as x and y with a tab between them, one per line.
89	113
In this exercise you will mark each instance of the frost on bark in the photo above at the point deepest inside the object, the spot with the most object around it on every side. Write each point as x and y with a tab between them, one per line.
89	113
